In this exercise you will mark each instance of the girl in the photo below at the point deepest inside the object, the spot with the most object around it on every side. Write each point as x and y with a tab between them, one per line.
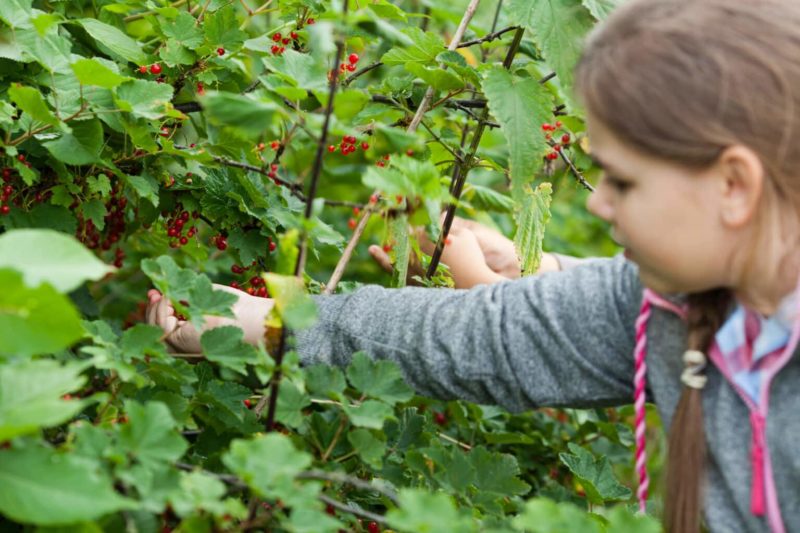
692	107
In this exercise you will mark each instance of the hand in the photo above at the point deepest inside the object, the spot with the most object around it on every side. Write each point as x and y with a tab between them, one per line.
181	336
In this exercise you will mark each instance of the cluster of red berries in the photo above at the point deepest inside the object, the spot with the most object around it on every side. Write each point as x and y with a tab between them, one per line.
178	222
8	190
348	145
565	139
21	158
154	69
281	41
88	233
220	241
350	66
256	282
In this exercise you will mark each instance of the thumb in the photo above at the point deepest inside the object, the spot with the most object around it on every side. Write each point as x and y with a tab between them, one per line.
380	257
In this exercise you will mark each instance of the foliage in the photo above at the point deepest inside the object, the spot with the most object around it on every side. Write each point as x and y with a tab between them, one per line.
169	145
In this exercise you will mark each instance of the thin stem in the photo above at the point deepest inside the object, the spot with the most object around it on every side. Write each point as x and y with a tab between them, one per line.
339	477
335	440
352	510
348	251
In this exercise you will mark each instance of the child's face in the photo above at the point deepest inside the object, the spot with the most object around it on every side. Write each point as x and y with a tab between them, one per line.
666	216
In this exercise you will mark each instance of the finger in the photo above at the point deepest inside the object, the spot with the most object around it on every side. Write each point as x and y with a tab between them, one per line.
381	257
165	315
153	294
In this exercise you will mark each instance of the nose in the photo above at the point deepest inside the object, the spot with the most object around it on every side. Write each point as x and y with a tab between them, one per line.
599	203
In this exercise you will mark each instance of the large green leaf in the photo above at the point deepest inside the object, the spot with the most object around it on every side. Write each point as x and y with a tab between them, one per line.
296	309
41	486
224	345
16	13
600	9
422	48
541	515
595	474
32	252
531	219
423	512
94	72
114	40
520	105
151	435
558	27
31	396
146	99
497	472
222	29
31	101
301	70
241	112
378	379
81	146
34	321
184	29
267	462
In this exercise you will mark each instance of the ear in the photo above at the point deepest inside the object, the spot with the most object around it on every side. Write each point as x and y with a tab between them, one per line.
741	178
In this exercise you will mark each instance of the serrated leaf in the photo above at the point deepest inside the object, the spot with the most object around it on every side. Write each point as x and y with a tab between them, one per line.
531	218
423	512
369	414
31	101
497	472
16	13
183	29
151	435
31	396
520	105
241	112
143	98
369	447
198	491
325	380
224	345
41	486
99	184
93	72
95	210
81	146
222	29
600	9
595	474
436	77
173	53
142	340
52	51
266	463
422	48
291	402
31	252
542	515
558	27
145	186
300	70
114	40
378	379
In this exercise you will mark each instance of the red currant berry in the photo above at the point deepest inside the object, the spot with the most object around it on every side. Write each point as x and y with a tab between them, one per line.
559	123
557	147
247	403
155	68
373	527
548	136
220	51
143	69
545	127
286	40
332	148
365	145
387	248
255	281
276	37
565	138
234	284
440	418
310	21
275	145
373	199
386	157
349	139
353	59
272	246
275	49
21	158
351	223
184	241
4	210
552	156
351	68
410	152
262	291
293	35
222	243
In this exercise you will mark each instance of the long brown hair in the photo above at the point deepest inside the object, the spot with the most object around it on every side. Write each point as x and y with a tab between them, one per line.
681	80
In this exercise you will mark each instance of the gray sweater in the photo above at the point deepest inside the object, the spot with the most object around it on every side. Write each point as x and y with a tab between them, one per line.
564	339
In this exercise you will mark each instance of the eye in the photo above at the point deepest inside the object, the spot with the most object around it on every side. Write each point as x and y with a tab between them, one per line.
621	186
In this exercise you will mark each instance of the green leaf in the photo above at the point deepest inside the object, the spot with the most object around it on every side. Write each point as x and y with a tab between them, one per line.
41	486
198	492
173	53
222	29
369	447
146	99
31	252
378	379
31	101
531	219
369	414
520	105
497	472
242	112
442	80
95	210
423	512
348	103
421	48
145	186
184	30
99	184
93	72
16	13
224	345
30	396
296	309
487	199
541	515
151	435
34	321
7	113
114	40
620	519
291	402
267	462
600	9
300	70
142	340
401	249
53	51
558	27
80	147
325	380
595	474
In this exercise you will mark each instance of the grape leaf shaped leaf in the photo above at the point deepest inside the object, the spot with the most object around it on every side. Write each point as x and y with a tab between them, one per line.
423	512
595	475
381	380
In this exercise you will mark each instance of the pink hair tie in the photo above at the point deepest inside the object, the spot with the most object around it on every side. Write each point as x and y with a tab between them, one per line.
649	298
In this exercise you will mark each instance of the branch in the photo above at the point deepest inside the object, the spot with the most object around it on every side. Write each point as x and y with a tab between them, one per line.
488	37
352	510
338	477
348	251
426	100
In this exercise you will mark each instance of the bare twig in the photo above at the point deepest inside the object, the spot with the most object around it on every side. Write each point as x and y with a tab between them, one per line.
339	477
352	510
348	251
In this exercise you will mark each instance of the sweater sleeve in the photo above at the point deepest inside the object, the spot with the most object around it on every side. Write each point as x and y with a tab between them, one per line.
558	339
